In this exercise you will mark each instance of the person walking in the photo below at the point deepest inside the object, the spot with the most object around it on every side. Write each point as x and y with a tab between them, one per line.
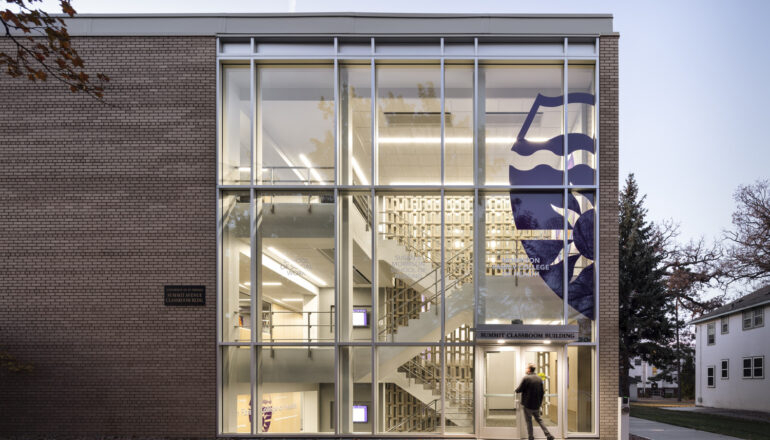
531	389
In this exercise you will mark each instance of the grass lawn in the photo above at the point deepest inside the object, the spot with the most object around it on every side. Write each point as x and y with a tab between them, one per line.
731	426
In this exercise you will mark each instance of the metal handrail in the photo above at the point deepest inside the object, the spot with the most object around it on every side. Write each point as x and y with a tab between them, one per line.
306	180
309	326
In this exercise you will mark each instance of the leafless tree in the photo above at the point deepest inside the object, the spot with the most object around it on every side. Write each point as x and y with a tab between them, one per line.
748	256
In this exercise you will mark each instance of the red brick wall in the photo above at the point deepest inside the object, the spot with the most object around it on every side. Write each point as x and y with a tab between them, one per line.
103	205
608	241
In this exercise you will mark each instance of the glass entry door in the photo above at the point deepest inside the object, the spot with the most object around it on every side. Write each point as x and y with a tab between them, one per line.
498	403
500	370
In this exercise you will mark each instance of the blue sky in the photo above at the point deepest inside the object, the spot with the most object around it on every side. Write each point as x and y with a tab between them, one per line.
692	88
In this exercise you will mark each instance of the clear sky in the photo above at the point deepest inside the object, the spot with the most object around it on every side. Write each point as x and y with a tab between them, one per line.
692	88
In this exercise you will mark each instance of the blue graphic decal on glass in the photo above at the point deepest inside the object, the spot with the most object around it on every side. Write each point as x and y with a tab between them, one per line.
543	211
540	162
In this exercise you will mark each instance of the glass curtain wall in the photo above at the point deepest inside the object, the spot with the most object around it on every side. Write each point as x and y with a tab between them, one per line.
354	268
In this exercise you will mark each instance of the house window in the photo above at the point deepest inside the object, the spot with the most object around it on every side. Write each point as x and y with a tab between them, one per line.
710	376
638	378
754	318
754	367
711	334
638	361
725	369
725	325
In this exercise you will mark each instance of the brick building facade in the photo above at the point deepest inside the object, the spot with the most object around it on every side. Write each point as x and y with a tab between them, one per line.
105	204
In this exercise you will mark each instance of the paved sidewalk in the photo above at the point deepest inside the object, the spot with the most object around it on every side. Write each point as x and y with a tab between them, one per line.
661	431
756	416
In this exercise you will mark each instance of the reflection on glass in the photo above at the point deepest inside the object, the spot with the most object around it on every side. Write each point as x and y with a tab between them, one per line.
356	124
356	410
522	282
295	143
355	267
236	390
236	125
409	268
458	108
581	117
582	287
409	124
399	370
295	241
458	266
580	390
546	366
295	390
236	267
459	409
522	120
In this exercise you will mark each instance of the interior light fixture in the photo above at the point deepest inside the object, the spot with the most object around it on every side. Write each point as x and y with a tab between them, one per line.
247	283
546	342
271	283
500	341
296	266
313	171
291	276
293	299
359	172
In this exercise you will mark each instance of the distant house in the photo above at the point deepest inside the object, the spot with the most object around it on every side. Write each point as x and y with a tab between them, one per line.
731	347
642	372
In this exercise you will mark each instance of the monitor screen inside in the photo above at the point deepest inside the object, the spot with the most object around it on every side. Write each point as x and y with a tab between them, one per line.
360	318
360	413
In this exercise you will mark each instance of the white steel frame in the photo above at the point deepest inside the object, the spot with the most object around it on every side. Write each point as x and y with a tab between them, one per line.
334	57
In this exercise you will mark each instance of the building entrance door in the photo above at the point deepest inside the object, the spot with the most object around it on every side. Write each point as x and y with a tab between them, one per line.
500	370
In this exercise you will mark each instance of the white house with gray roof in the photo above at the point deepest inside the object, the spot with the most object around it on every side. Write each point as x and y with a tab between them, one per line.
732	346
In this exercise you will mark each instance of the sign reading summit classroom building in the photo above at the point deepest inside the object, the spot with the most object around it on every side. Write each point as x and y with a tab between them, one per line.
520	332
184	295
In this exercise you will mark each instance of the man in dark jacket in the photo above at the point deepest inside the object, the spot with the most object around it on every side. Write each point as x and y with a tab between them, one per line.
531	389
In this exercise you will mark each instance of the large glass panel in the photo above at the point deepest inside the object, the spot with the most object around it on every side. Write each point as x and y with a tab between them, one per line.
409	387
458	267
522	281
356	124
580	388
458	129
522	124
295	143
356	410
236	267
582	287
409	268
295	386
581	118
295	243
409	124
459	367
547	367
355	267
236	125
236	390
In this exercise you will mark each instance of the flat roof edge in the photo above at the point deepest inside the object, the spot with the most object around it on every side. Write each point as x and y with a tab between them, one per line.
331	24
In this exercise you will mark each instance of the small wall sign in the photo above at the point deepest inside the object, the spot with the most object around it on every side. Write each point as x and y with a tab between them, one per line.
184	295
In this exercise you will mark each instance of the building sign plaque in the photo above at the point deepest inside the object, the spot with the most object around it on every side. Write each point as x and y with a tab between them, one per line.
491	333
184	295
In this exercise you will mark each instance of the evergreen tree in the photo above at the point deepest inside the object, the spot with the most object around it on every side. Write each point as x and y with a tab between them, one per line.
646	330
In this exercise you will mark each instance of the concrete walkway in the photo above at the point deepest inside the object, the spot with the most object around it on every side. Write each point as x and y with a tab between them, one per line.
661	431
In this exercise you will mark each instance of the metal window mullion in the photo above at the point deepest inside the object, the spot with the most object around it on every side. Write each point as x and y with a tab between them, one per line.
374	281
335	316
565	182
256	309
218	220
442	349
337	152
